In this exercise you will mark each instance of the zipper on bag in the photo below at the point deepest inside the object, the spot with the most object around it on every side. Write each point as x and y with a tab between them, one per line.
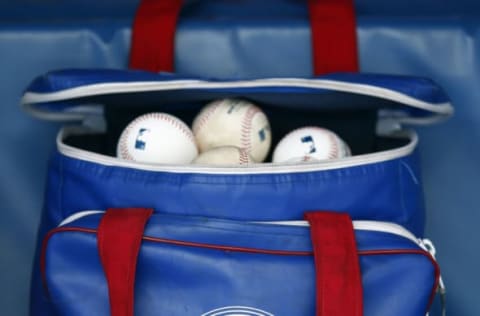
258	168
373	226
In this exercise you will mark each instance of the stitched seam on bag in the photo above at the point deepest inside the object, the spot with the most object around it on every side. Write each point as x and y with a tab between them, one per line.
402	194
397	251
220	247
60	187
244	232
318	176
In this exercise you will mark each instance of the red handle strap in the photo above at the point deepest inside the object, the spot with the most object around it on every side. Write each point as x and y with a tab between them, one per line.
338	279
339	290
333	29
153	35
334	36
119	237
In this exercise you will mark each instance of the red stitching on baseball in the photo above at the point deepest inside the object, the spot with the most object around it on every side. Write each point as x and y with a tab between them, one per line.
333	154
174	121
245	138
202	119
125	153
243	156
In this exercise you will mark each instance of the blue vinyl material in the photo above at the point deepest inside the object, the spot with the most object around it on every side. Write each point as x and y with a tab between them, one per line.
182	281
27	10
422	89
440	42
75	185
94	82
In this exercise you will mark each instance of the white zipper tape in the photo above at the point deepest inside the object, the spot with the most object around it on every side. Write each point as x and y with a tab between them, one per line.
376	226
31	98
260	168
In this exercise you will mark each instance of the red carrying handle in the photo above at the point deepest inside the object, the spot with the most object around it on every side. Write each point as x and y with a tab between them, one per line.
337	268
338	281
333	29
119	238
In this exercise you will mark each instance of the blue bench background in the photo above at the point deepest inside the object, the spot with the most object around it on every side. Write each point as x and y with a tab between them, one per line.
423	38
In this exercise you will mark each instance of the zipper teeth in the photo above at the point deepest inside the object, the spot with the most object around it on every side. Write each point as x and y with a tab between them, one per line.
376	226
261	168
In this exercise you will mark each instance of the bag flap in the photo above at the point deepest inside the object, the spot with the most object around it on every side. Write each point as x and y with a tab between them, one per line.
77	94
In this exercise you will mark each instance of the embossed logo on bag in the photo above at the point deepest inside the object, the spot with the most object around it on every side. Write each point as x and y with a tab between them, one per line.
237	311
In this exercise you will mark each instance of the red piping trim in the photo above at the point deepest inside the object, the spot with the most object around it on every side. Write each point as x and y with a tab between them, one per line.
412	252
244	250
229	248
45	245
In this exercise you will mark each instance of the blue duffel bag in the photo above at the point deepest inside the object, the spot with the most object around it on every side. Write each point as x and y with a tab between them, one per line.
381	181
203	266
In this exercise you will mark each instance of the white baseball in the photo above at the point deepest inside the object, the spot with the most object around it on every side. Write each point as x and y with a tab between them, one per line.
231	122
226	155
157	138
315	142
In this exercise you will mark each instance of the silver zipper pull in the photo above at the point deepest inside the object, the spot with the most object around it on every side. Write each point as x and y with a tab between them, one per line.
428	246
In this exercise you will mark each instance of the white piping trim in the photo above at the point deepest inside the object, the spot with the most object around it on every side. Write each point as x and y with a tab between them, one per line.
76	216
237	310
376	226
261	168
30	98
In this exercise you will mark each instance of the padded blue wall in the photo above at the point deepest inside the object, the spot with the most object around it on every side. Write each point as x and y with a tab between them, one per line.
74	9
37	36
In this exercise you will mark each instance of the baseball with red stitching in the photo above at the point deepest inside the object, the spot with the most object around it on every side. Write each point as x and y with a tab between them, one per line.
225	155
233	122
157	138
310	144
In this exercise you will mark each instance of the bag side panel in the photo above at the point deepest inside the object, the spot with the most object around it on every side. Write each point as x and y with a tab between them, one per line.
179	280
387	191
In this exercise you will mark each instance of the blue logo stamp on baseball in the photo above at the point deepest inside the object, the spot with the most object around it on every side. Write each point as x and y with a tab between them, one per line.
309	141
262	133
140	140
